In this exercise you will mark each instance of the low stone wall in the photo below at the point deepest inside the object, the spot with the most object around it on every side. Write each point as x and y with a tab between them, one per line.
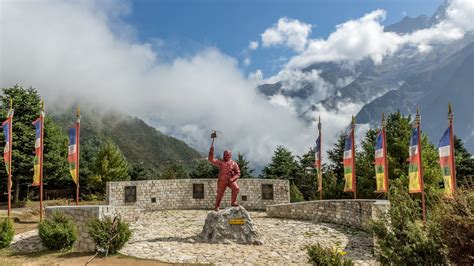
83	214
352	213
255	194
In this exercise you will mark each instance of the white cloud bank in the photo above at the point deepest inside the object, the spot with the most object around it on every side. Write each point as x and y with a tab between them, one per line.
362	38
81	51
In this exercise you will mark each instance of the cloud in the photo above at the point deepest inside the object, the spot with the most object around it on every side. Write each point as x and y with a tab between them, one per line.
253	45
289	32
74	51
247	61
365	37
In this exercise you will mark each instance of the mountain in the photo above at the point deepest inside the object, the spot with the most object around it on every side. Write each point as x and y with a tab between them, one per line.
409	25
401	82
142	145
431	90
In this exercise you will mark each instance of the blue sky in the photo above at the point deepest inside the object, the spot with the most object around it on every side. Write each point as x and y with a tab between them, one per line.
181	28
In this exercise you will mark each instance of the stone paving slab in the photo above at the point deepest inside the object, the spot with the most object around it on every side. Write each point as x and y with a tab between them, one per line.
170	236
27	242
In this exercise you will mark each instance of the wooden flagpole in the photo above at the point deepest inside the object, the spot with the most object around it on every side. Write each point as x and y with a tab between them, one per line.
418	125
384	136
10	146
41	158
78	134
354	177
320	175
451	144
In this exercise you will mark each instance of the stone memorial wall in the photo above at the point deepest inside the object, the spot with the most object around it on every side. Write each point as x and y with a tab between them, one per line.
255	194
351	213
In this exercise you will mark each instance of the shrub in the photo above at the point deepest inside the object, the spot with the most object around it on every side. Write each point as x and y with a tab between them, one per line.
402	238
6	233
295	194
59	233
456	219
319	255
109	235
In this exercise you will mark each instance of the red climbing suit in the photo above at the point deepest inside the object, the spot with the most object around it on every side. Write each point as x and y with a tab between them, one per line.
229	172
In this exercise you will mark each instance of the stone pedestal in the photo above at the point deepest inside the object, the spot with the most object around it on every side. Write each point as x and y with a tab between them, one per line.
230	225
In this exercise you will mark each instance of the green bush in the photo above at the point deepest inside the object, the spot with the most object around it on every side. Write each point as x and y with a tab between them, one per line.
456	219
59	233
295	194
109	235
321	256
6	233
402	238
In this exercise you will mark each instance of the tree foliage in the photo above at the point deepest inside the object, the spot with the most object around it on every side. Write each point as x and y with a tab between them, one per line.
27	105
110	165
282	166
244	165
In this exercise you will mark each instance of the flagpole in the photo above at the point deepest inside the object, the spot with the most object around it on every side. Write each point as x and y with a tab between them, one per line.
418	123
10	158
78	134
41	159
354	177
384	123
320	175
451	140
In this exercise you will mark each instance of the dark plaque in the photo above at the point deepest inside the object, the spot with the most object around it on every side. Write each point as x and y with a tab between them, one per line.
244	198
153	200
267	191
198	191
130	194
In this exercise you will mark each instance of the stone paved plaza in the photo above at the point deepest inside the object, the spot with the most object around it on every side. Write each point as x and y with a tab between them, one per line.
169	236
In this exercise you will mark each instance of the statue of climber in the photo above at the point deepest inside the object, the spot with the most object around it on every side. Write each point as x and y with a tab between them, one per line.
229	172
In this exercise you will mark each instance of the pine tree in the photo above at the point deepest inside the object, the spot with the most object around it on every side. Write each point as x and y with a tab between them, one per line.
174	170
307	183
244	165
333	173
282	166
110	165
55	169
204	169
27	104
464	165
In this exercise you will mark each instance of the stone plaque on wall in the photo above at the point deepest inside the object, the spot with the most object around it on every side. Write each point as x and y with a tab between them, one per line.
198	191
267	191
130	194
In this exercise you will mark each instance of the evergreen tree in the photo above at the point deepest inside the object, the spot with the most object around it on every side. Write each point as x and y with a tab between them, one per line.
55	165
282	166
110	165
365	167
464	165
204	169
174	170
244	165
139	172
307	183
333	173
27	104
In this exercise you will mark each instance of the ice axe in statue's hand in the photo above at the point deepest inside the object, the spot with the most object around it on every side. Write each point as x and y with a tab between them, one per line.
214	136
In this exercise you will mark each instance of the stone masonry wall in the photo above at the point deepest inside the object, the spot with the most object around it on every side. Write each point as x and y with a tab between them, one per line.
352	213
178	194
83	214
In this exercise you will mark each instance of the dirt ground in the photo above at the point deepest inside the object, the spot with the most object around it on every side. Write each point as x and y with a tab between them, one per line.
69	258
26	217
